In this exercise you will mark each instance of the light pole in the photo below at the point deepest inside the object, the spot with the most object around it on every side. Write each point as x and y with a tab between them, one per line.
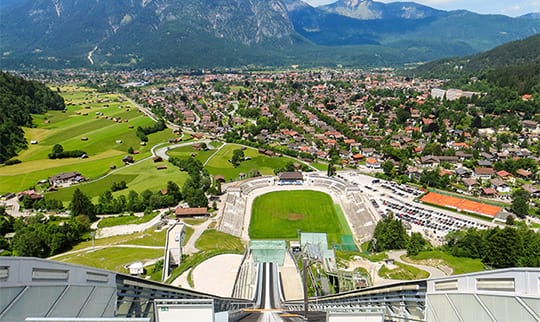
306	303
92	234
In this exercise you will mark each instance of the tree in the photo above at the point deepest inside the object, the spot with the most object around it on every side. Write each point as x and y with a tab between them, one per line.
416	244
466	243
81	205
510	220
388	168
531	248
390	234
6	222
238	156
31	241
57	149
133	201
174	191
520	203
331	170
504	248
196	198
117	186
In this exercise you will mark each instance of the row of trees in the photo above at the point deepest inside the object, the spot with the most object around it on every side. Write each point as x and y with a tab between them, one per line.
198	183
133	202
142	132
497	248
58	152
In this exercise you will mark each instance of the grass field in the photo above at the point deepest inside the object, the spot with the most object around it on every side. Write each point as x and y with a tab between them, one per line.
219	164
126	220
459	265
90	115
113	258
149	237
185	152
402	272
213	239
279	215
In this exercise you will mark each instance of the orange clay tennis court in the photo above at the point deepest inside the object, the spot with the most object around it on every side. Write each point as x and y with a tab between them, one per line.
461	204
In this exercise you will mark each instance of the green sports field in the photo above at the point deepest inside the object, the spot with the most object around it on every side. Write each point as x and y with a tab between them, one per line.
279	215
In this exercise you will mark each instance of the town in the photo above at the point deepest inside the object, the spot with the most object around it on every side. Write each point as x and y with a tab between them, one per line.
411	129
388	169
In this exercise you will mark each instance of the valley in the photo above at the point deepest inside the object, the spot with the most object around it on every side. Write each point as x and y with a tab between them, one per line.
240	155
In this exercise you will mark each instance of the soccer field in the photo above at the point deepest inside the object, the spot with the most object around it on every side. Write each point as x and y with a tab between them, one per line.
279	215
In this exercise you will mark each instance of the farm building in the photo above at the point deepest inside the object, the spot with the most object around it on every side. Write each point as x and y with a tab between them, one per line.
128	159
191	212
66	178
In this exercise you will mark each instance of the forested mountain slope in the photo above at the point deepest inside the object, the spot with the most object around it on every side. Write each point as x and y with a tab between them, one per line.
19	98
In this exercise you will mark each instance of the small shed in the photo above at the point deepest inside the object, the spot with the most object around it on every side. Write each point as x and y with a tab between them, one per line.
128	159
136	268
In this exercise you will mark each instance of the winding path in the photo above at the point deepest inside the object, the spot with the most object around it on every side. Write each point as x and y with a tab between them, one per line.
127	229
198	230
433	271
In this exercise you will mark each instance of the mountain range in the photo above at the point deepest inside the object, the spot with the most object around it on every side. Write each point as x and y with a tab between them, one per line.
516	53
208	33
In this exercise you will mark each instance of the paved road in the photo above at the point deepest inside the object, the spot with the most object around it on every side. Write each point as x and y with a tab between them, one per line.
13	208
127	229
150	114
162	152
190	248
433	271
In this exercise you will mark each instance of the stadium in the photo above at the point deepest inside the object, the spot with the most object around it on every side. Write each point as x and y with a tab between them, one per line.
269	284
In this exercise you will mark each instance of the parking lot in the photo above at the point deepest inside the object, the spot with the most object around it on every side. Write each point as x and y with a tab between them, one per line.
433	223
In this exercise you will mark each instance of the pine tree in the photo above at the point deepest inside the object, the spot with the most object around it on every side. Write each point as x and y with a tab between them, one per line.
82	205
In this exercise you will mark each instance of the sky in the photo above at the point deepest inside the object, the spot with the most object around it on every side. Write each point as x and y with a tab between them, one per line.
506	7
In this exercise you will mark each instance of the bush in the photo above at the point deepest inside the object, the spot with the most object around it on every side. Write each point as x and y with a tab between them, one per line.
12	161
117	186
59	153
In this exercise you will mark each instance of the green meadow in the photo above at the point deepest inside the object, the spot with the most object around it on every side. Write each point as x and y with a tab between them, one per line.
279	215
112	258
187	151
219	163
87	124
139	177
